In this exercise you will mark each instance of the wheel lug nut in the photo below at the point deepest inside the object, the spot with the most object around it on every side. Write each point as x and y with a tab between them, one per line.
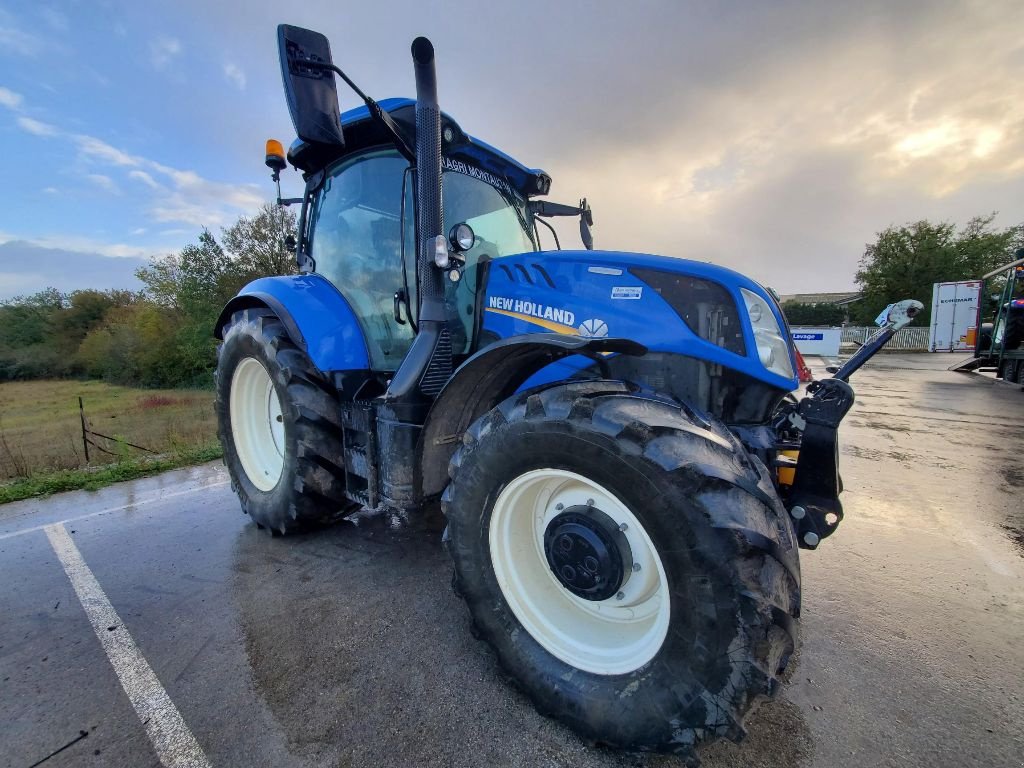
636	567
590	502
620	596
559	507
623	527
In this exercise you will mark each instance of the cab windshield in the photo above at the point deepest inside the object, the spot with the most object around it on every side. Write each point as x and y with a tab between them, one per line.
499	221
497	215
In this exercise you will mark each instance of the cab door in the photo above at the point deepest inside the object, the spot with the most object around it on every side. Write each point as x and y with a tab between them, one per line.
356	237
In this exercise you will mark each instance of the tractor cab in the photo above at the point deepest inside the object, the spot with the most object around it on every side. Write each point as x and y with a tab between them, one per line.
361	226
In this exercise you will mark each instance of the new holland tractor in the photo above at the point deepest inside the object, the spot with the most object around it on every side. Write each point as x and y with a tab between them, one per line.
625	476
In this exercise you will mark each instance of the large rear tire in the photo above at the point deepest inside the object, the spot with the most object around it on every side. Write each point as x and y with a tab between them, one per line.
280	427
664	654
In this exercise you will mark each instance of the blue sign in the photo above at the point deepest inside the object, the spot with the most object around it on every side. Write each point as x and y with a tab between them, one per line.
808	337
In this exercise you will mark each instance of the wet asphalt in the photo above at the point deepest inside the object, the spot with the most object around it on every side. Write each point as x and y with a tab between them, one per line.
348	648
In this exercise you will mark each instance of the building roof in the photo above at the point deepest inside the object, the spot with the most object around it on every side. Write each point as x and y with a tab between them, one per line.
842	298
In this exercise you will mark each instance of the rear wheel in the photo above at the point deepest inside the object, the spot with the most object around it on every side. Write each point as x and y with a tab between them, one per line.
279	426
633	570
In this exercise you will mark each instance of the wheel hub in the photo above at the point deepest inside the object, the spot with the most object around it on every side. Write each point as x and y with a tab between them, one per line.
588	552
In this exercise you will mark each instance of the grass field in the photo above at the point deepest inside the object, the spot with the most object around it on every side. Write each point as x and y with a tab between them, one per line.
41	433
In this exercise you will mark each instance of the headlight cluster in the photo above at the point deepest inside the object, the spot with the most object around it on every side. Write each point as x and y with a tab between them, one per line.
772	344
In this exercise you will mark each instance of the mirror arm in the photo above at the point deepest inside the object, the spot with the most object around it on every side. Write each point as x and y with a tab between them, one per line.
538	219
303	259
545	208
375	110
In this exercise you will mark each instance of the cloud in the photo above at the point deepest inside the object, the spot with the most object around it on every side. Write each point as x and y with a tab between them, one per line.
187	197
105	183
785	160
98	149
145	178
36	127
81	244
9	98
191	199
51	191
30	266
234	75
163	50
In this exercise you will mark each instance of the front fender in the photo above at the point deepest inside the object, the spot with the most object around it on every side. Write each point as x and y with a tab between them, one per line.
316	316
487	378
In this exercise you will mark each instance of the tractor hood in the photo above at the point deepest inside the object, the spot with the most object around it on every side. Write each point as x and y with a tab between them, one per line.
362	132
669	305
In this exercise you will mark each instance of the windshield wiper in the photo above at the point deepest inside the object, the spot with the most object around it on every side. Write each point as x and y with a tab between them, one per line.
515	205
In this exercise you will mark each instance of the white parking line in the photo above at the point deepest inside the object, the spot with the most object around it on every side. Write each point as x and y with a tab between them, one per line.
173	741
108	510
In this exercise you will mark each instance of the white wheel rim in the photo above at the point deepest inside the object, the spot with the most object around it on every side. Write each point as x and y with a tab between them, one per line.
608	637
257	426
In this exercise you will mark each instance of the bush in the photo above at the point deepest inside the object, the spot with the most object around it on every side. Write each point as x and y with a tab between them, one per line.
813	314
161	337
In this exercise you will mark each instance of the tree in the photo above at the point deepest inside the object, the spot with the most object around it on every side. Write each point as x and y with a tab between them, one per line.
813	314
257	244
191	288
86	310
905	261
162	336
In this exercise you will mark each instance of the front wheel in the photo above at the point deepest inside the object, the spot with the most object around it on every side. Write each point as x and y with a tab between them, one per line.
1012	371
631	568
280	427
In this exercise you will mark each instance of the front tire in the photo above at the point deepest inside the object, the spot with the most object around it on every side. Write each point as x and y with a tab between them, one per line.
676	652
1011	371
280	427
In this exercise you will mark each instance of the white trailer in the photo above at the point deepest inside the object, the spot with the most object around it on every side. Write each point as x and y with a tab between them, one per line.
954	325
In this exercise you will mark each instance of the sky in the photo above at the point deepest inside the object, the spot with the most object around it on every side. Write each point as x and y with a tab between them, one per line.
774	138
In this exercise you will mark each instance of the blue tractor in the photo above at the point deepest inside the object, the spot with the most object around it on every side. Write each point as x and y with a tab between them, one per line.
625	475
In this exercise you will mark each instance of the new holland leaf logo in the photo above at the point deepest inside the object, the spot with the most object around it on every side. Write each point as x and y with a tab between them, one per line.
593	329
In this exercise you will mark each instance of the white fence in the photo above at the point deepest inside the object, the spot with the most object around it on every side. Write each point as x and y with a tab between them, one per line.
910	339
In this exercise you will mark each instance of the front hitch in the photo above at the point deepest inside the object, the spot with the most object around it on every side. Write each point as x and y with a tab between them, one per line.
813	501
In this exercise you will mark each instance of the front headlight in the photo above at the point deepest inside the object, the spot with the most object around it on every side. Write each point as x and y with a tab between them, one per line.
772	345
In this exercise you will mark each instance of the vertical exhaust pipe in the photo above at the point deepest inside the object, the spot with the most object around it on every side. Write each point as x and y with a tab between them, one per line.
428	365
429	213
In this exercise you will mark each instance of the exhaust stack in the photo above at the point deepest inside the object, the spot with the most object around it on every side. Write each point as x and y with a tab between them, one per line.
428	366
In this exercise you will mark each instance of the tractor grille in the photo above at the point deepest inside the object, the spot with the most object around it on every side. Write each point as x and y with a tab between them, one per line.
440	368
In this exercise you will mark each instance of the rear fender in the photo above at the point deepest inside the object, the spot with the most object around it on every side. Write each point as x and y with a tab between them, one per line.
487	378
316	316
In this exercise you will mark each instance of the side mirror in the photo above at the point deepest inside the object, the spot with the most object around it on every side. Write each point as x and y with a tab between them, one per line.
309	85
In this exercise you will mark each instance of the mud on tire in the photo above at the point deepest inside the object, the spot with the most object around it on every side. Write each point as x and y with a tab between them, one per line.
311	489
727	546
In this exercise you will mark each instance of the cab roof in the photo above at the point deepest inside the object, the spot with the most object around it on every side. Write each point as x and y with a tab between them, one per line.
363	132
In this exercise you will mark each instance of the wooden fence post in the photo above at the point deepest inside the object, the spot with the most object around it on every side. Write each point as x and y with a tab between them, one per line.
85	436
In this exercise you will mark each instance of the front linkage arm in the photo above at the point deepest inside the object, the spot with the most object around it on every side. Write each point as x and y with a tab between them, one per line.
814	499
